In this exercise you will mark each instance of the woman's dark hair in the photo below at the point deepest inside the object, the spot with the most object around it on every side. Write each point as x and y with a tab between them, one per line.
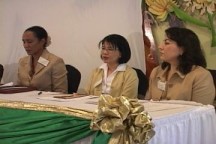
39	32
120	43
189	42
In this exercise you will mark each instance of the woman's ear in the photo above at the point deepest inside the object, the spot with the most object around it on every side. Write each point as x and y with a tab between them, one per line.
120	55
43	42
181	51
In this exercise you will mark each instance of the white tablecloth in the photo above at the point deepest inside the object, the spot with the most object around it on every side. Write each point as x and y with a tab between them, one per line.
176	122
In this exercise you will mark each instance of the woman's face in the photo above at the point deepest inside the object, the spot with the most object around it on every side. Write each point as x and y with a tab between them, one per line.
169	51
32	44
109	55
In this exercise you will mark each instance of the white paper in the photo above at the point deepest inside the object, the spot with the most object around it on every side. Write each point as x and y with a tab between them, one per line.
7	84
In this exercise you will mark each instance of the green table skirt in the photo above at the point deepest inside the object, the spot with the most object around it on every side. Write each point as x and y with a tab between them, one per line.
18	126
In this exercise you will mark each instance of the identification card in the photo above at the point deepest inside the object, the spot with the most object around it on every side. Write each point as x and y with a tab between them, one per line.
161	85
43	61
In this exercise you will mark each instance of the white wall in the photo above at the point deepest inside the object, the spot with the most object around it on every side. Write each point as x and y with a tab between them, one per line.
75	26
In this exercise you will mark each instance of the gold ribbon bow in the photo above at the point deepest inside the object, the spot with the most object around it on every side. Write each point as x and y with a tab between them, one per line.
124	118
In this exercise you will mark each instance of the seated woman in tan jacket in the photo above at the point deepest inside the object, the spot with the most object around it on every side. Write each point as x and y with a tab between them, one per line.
41	69
182	74
114	77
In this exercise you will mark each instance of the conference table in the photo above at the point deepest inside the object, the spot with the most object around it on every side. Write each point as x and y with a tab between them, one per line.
40	118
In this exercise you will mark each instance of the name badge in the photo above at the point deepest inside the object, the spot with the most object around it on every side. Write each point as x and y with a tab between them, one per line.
43	61
161	85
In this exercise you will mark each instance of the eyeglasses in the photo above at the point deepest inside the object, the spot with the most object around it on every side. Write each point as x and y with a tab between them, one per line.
109	49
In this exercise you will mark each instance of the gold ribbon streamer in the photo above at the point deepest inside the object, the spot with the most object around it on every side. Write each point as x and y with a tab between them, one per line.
44	107
124	118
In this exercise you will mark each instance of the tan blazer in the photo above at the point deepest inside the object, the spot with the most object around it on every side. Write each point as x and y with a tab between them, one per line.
125	83
196	86
52	77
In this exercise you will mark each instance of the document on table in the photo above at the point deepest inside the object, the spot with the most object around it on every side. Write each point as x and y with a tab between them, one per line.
63	97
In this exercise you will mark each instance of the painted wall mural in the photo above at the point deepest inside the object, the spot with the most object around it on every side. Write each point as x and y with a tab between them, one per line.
201	13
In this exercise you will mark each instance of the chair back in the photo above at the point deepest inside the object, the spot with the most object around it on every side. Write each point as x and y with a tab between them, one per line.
143	83
1	71
74	77
213	73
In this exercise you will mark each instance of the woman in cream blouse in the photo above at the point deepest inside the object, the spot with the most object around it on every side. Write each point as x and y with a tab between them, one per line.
114	77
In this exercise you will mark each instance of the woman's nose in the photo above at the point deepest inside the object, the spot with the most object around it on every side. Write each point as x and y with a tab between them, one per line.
160	47
104	51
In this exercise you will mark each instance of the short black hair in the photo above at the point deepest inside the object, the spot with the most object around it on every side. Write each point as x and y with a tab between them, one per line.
190	44
120	43
39	32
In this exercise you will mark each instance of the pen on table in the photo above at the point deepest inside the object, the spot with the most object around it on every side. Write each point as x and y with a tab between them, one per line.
40	93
